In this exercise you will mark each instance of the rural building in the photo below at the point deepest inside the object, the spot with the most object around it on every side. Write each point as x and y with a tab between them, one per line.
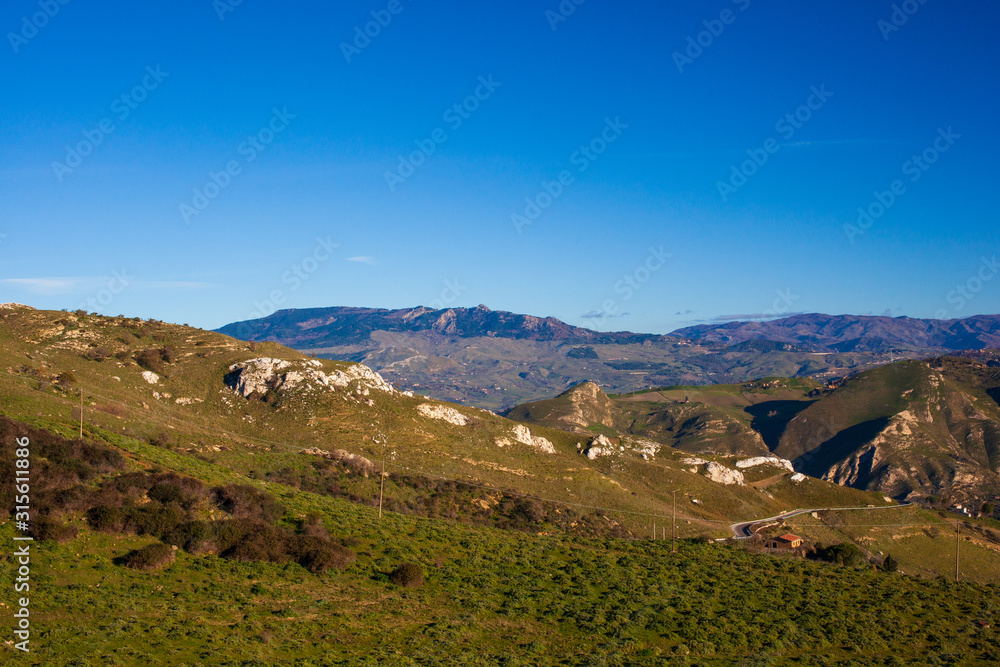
786	541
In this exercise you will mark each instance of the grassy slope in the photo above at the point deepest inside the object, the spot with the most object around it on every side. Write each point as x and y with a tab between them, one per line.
491	597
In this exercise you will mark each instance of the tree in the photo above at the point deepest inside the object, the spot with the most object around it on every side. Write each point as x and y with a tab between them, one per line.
987	509
890	564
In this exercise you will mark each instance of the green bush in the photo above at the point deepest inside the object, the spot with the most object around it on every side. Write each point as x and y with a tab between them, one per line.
319	555
246	502
408	575
150	557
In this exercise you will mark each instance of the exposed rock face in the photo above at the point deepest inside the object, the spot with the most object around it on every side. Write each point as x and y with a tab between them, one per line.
10	305
264	373
444	413
798	477
150	377
523	435
359	463
723	475
599	446
766	460
647	449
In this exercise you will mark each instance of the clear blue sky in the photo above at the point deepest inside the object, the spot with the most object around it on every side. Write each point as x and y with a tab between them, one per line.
552	86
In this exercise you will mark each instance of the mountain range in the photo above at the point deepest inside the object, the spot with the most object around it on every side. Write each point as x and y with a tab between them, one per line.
496	359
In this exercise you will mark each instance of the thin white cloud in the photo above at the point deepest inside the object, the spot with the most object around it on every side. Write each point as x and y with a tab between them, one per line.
362	259
176	284
48	286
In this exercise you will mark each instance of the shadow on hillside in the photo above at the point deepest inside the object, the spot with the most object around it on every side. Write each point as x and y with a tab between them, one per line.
771	417
817	461
994	393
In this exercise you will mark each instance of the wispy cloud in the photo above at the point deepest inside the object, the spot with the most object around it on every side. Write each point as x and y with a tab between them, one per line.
362	259
601	315
176	284
48	286
749	317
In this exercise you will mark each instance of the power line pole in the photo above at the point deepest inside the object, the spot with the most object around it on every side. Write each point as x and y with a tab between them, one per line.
381	487
81	415
958	528
673	540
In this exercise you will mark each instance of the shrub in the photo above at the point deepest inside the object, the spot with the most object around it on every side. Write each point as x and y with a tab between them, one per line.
150	557
319	555
47	529
844	553
190	536
408	575
153	520
258	542
105	518
246	502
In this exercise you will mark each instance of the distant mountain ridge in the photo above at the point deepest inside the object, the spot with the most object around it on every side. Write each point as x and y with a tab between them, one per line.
340	325
498	359
848	333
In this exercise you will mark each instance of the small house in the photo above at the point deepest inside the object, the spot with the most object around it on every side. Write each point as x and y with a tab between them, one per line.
786	541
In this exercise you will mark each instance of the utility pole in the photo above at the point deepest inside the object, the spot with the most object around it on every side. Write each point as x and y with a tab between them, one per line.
673	541
381	487
654	530
81	415
958	528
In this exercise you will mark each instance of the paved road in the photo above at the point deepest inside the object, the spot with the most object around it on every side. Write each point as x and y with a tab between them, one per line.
742	530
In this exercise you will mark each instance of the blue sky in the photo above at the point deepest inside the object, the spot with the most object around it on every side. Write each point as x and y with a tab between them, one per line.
204	162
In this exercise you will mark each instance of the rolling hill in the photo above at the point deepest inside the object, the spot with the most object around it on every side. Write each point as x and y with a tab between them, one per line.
222	507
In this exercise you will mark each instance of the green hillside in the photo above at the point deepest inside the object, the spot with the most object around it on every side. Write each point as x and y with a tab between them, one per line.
222	508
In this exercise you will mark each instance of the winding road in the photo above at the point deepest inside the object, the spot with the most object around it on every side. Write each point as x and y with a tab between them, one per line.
744	529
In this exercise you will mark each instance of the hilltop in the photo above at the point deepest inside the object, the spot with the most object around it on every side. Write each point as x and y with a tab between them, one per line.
911	429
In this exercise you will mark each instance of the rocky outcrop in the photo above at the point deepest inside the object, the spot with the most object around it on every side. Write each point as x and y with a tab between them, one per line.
723	475
444	413
150	377
522	434
599	446
765	460
260	375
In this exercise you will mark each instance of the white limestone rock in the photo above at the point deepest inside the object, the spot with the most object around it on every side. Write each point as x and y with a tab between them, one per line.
765	460
798	477
522	434
723	475
150	377
444	413
599	446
